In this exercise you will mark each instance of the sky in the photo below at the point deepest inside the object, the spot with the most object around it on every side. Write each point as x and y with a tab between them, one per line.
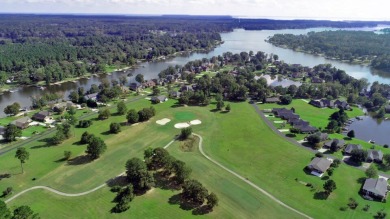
278	9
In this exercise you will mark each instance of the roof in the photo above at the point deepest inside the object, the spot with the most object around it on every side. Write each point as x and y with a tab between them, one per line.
22	120
305	128
91	96
161	98
321	164
376	186
2	130
339	143
374	155
272	99
351	147
41	115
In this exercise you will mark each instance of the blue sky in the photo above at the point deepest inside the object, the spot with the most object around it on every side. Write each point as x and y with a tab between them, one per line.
313	9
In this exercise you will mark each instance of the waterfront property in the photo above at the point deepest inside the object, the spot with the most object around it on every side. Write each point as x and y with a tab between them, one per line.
335	143
350	147
374	156
22	123
41	116
375	189
322	103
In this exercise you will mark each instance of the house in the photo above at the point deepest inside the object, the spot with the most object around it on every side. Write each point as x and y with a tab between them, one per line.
174	94
159	99
41	116
278	111
305	129
2	130
317	80
338	143
374	156
322	136
22	123
272	100
186	88
288	115
341	104
149	83
387	109
63	105
297	122
135	86
350	147
319	165
322	103
375	188
91	96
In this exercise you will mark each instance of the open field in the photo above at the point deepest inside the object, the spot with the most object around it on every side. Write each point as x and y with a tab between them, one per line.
240	140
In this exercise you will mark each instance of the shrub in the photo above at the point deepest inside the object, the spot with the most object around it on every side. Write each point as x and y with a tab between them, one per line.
343	208
319	154
366	208
85	123
67	155
115	128
185	133
352	204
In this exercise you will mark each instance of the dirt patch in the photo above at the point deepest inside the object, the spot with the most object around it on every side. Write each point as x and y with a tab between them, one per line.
188	145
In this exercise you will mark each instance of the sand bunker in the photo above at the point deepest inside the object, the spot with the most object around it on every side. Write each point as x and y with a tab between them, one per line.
195	122
163	121
182	125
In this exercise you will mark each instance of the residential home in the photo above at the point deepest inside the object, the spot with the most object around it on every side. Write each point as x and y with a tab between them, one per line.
319	165
374	156
306	129
22	123
350	147
339	143
91	96
322	103
317	80
288	115
41	116
2	130
298	122
278	111
159	99
375	189
62	105
341	104
272	100
149	83
174	94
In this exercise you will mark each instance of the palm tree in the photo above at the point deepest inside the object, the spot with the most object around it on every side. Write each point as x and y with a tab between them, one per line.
22	155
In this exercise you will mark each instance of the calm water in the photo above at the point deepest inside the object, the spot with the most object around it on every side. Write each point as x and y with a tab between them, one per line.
372	129
236	41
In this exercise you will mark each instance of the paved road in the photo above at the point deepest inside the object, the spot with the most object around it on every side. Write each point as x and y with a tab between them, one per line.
246	180
293	141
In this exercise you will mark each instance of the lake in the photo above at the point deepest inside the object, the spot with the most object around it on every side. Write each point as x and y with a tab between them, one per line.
237	41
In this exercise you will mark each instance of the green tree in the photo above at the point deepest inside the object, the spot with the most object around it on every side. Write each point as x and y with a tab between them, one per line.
185	133
227	108
132	116
358	155
24	212
351	134
104	114
115	128
121	108
212	200
156	91
220	105
182	171
124	197
96	147
11	132
67	155
12	109
329	186
138	175
194	191
371	172
22	155
386	159
72	110
139	78
85	137
285	99
4	211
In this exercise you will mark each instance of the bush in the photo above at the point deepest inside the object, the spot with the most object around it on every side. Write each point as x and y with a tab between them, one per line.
7	191
366	208
343	208
85	138
352	204
67	155
85	123
116	189
319	154
386	146
115	128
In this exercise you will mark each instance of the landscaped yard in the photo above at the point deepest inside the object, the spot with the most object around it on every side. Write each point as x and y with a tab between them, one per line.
240	140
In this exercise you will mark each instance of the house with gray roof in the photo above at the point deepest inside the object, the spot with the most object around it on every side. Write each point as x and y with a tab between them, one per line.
350	147
41	116
272	100
338	143
159	99
319	165
374	156
375	188
22	123
305	129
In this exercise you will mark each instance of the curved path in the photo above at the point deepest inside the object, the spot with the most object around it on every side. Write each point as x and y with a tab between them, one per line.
166	146
246	180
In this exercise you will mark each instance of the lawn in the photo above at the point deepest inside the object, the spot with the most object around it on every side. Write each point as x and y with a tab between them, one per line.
240	140
318	117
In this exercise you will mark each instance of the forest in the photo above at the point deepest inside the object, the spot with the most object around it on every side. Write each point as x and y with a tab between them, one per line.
353	46
52	48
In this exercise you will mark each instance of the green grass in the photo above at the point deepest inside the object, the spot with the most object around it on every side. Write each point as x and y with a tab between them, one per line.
240	140
317	117
185	116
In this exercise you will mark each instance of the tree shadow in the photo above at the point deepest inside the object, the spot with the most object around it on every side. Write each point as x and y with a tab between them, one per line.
202	210
214	110
80	160
106	133
118	181
78	143
165	182
320	195
60	160
175	199
224	112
